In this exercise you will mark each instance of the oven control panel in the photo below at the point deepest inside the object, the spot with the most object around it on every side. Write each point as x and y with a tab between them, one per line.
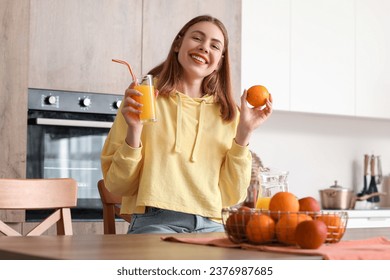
71	101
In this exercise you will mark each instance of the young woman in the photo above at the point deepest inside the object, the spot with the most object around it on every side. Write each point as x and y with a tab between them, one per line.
177	174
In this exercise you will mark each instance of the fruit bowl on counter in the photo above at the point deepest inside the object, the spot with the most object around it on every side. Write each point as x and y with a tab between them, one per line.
257	226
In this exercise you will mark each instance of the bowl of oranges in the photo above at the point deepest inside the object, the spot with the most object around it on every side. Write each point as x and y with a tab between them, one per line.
288	221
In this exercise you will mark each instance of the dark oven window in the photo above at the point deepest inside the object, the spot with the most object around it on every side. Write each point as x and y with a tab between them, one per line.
63	151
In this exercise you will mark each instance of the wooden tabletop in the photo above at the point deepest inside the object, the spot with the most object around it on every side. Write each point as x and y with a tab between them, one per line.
129	247
143	247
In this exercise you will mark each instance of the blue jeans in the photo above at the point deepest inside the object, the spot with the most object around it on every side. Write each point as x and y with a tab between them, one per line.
156	220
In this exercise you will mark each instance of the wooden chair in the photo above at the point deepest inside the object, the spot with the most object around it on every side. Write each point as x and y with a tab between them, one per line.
111	208
32	194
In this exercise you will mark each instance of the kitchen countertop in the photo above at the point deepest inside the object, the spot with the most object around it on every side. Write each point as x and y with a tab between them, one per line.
368	218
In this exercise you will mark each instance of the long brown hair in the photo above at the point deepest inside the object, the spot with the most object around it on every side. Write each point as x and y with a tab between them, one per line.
217	83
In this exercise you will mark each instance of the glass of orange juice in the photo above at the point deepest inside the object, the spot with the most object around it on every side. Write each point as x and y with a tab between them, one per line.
148	99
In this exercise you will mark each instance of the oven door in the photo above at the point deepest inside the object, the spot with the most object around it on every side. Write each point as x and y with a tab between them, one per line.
60	148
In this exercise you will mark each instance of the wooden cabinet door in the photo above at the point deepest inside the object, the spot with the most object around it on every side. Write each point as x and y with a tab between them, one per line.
13	92
322	56
372	58
72	43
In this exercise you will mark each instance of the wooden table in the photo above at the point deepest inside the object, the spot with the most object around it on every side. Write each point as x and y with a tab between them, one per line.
121	247
143	247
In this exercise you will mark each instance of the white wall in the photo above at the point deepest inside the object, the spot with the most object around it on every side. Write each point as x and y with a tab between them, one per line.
318	149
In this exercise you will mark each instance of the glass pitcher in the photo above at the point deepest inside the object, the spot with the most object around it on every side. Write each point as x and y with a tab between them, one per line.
271	182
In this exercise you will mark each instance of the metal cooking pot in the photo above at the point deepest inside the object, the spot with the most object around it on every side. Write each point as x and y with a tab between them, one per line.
339	198
336	197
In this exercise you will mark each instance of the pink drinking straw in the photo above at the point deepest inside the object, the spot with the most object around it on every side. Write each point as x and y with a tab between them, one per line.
130	69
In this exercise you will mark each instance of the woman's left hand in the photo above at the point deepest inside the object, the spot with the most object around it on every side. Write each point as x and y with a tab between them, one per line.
251	118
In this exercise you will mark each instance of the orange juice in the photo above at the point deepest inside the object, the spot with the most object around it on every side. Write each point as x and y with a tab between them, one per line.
148	100
263	202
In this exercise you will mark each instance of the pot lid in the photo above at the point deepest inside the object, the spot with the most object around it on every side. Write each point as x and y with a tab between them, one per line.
337	187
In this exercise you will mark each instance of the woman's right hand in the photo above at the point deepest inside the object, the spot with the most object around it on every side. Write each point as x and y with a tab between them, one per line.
131	111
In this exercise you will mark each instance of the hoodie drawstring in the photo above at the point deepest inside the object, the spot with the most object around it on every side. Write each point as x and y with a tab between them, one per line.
178	125
200	130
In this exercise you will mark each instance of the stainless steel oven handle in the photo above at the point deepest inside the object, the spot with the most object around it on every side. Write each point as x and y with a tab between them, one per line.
73	123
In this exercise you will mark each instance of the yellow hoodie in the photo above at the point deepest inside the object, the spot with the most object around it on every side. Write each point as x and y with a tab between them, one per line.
188	160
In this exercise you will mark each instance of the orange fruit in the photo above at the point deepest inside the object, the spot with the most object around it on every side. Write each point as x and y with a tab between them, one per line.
257	95
309	204
286	226
236	223
311	234
260	229
285	202
335	226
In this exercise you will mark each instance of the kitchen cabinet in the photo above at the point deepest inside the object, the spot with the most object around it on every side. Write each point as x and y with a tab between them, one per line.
302	50
368	219
14	30
322	57
372	58
13	87
72	44
265	50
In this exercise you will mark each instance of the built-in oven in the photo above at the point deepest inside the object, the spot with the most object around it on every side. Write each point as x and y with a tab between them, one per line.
66	133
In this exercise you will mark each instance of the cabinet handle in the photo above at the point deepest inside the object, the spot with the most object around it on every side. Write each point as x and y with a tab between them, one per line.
376	219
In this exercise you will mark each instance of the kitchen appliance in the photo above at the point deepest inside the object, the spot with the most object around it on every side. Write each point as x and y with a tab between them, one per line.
66	133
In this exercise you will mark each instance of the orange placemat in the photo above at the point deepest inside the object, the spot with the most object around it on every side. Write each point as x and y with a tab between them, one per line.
377	248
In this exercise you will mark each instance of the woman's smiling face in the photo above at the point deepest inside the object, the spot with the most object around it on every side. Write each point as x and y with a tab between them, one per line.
201	50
